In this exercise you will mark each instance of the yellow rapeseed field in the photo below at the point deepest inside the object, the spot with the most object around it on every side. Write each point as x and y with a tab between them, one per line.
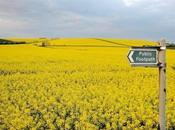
80	84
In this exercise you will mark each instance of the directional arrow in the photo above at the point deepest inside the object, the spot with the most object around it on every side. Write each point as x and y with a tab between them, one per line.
143	57
130	56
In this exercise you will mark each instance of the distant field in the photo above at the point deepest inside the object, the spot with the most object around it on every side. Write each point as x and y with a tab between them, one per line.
100	41
83	84
86	41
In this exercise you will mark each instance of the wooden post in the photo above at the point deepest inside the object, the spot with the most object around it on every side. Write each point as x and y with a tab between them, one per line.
162	85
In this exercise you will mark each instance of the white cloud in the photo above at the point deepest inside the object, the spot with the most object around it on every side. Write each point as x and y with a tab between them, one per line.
131	2
12	24
82	18
51	3
147	3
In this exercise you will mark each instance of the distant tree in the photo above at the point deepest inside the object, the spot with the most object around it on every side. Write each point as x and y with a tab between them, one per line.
45	43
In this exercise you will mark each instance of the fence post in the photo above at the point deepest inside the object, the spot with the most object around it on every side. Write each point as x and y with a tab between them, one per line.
162	85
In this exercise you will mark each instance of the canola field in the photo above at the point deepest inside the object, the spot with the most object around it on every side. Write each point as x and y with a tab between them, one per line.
81	84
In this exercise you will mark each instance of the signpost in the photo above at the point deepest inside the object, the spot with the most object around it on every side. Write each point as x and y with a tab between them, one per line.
153	57
143	57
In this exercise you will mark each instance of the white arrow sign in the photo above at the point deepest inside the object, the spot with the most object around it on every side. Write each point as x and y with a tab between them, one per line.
130	56
143	57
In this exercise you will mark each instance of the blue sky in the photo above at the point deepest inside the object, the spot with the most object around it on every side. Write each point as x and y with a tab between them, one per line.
134	19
